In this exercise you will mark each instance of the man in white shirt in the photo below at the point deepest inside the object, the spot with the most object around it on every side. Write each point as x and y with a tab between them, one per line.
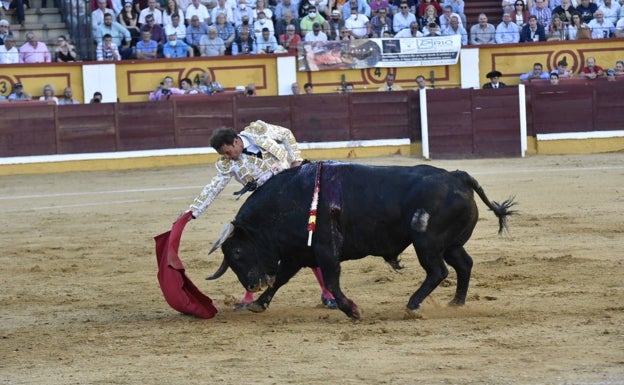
316	34
357	23
507	31
223	7
8	52
601	28
176	27
199	10
151	10
97	16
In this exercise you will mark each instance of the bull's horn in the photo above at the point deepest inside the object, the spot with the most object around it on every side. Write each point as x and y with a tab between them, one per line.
225	234
220	271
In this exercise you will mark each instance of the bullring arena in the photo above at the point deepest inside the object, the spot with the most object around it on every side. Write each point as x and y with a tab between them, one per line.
81	303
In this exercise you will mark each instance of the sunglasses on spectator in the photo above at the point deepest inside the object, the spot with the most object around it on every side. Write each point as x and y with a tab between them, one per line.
404	7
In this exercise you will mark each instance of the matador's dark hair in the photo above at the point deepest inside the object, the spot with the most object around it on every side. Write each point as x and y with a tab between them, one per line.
221	136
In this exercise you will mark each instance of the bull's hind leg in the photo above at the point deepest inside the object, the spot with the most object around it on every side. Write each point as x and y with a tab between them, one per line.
431	260
461	261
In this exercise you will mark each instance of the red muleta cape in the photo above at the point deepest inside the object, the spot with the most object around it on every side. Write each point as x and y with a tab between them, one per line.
180	293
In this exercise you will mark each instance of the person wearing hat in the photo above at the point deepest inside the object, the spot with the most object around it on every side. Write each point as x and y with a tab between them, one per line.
494	83
175	48
335	25
18	93
316	34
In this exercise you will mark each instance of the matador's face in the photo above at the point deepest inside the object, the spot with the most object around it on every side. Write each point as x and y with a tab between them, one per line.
232	151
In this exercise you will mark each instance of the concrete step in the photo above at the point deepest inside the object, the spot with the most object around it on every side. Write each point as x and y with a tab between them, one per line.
44	32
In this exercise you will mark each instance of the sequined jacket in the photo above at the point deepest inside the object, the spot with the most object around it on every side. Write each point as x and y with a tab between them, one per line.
279	150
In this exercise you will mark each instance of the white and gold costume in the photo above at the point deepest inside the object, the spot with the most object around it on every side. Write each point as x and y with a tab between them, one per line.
279	150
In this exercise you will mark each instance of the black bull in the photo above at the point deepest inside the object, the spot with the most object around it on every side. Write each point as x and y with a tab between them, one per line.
362	210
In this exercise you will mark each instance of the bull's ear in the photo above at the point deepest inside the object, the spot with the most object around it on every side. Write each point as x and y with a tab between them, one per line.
228	229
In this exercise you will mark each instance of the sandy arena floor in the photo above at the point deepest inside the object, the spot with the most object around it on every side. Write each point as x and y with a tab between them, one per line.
80	302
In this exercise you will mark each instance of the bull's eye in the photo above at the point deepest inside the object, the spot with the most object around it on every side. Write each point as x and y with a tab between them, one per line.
237	253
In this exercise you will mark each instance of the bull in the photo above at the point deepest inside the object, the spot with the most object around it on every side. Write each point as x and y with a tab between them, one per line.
362	210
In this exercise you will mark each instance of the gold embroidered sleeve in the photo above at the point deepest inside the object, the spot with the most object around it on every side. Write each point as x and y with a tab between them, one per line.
212	189
281	135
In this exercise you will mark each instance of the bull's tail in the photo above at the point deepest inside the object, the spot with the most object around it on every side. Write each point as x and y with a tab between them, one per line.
501	210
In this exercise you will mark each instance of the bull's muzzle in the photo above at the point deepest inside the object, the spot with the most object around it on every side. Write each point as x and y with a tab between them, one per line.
263	283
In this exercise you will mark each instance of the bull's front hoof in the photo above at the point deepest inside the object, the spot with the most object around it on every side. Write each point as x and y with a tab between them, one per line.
457	302
412	314
255	307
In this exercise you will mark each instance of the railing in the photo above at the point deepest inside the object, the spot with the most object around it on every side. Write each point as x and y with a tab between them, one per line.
77	16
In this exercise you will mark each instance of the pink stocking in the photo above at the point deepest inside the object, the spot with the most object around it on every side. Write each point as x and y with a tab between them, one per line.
319	277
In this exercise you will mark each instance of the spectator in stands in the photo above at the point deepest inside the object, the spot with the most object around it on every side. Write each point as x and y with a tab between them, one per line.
611	10
164	90
381	22
412	31
290	39
129	18
34	51
507	31
187	87
390	86
345	34
519	15
199	10
211	44
376	5
208	86
153	10
458	8
267	43
421	82
223	8
422	8
18	93
429	16
5	30
225	31
537	73
97	16
156	31
260	24
362	8
587	10
601	28
455	29
250	90
445	17
619	27
107	50
176	48
97	97
565	11
611	75
357	23
177	27
146	48
195	31
120	35
261	7
591	70
316	34
64	52
68	97
244	44
18	5
282	24
554	78
557	30
49	94
295	89
171	9
494	82
402	19
562	69
542	12
242	10
307	23
483	32
308	88
576	26
532	31
8	52
283	7
432	30
619	67
334	25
